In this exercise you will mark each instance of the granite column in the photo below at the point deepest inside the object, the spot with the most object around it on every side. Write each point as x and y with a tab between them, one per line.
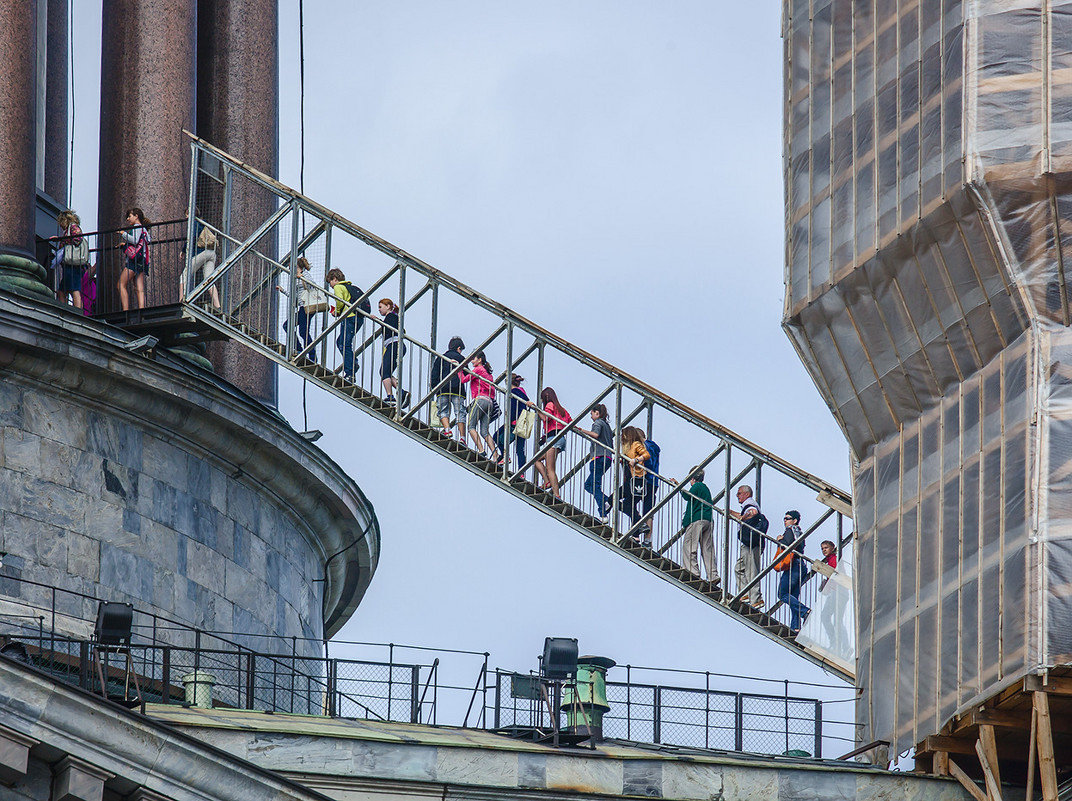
56	122
147	98
238	111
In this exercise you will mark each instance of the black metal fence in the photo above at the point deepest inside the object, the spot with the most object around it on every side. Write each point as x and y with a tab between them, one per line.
685	716
107	260
171	661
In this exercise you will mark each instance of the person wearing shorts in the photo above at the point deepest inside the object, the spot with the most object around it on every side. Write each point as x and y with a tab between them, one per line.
451	397
482	388
554	419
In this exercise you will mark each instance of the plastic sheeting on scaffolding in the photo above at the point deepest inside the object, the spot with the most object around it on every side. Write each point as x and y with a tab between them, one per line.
830	629
929	221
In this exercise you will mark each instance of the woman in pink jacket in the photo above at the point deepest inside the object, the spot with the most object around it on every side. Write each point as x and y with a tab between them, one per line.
482	389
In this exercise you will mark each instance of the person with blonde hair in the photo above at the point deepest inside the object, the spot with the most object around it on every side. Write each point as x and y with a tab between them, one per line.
72	256
634	489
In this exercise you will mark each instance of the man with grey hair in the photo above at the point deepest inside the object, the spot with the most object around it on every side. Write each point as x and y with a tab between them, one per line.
753	525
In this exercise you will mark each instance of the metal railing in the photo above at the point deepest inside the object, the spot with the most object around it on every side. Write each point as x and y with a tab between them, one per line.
690	717
262	228
54	626
167	249
166	654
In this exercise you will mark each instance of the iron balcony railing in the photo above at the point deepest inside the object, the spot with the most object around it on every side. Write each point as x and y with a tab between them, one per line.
689	717
166	655
167	248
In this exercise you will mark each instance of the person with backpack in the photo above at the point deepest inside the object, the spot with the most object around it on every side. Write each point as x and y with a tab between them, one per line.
792	567
635	487
135	244
345	294
751	531
451	396
71	259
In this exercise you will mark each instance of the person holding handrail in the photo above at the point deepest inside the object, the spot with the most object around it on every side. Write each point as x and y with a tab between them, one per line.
392	336
482	389
135	244
447	367
699	525
519	399
752	529
634	488
345	295
791	578
602	450
554	418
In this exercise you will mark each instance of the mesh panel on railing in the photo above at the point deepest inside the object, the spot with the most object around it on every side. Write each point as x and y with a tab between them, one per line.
376	690
765	721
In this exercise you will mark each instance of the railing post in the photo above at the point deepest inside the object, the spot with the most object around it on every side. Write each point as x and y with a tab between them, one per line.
818	729
616	475
251	679
629	702
657	714
400	360
165	674
508	430
726	528
83	662
414	693
292	292
786	714
390	673
707	709
225	224
738	723
484	674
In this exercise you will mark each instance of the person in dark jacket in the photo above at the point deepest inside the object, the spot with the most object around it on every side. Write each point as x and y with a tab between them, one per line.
792	539
451	395
519	399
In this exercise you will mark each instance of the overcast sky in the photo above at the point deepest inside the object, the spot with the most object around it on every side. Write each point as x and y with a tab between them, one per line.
613	171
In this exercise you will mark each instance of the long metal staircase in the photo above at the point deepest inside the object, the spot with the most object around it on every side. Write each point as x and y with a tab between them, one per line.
262	228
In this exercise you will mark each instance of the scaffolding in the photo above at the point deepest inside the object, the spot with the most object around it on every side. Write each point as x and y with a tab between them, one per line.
928	195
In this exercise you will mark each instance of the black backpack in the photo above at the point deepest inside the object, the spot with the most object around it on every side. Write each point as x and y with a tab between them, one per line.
355	292
751	537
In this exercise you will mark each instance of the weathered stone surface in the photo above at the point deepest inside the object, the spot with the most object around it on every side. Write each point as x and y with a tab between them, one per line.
141	494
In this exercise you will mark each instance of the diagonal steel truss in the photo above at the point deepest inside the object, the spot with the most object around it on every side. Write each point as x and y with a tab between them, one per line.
262	228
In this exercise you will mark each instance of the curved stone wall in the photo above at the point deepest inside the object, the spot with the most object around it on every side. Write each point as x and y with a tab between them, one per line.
144	479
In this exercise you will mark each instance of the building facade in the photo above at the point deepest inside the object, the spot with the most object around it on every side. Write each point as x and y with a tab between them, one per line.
928	212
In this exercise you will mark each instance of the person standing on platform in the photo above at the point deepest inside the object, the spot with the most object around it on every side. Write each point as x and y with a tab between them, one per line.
135	244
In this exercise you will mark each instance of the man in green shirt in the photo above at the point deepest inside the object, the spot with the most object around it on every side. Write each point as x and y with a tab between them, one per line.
699	527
